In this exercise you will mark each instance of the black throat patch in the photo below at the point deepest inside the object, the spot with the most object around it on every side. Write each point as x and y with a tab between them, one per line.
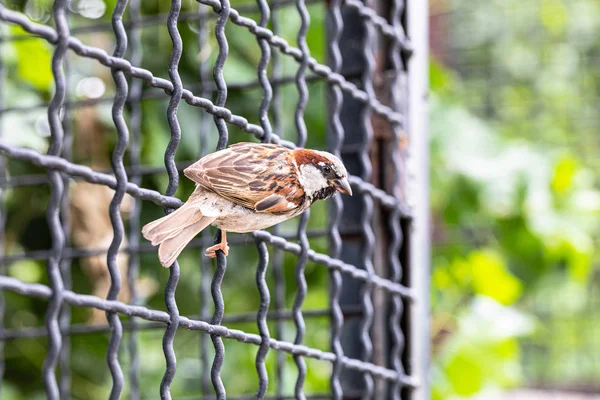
323	194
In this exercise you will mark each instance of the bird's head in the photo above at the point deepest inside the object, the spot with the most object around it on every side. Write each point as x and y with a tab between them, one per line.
321	174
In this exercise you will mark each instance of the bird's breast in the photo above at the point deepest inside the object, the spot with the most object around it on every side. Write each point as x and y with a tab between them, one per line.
232	217
241	220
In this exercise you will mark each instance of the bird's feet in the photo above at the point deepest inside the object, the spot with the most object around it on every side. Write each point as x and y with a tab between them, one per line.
212	251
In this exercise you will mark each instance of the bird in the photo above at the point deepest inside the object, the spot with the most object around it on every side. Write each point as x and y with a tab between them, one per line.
244	188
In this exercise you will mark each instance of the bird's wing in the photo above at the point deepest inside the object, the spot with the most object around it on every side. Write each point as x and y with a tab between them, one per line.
261	177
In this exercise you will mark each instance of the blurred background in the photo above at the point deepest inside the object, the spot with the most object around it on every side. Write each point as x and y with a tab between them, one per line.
515	200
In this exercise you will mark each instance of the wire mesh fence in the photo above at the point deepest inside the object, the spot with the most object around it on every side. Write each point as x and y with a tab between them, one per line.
368	345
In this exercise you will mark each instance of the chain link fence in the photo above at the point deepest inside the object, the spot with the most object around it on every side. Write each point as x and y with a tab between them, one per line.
377	310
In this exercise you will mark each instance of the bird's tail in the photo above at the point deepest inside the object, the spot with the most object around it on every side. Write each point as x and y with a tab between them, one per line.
174	231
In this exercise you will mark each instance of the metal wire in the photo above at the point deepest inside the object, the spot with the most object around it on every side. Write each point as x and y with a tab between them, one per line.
73	253
166	201
358	184
393	32
397	307
278	42
80	300
368	250
171	287
65	265
277	263
114	321
149	20
221	144
302	225
53	213
60	168
133	265
206	89
83	329
261	317
263	115
335	240
220	113
205	264
263	77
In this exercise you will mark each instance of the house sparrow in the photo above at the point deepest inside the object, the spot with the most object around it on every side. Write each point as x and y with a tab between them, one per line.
247	187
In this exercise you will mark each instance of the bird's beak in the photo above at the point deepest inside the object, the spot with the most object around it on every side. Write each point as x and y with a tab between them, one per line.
342	186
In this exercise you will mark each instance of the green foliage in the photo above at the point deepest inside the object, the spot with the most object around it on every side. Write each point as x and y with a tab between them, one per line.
33	60
483	353
514	195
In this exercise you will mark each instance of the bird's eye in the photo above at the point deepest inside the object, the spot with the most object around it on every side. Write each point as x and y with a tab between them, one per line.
327	169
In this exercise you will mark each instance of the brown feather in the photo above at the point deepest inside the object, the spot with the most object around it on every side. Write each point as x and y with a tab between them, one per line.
247	173
174	231
169	225
273	204
304	156
170	248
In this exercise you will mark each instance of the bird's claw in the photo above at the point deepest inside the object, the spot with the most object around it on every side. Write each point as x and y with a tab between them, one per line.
212	251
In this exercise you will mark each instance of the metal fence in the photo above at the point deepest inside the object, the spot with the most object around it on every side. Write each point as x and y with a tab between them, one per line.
378	245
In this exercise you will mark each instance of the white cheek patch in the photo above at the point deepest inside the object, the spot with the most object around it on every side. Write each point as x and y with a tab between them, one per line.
311	179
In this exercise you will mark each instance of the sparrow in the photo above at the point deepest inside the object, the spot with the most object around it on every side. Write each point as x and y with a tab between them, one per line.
244	188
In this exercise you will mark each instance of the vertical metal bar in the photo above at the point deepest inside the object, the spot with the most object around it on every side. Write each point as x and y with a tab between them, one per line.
65	265
277	263
263	115
215	372
261	318
298	300
367	216
53	213
204	72
218	71
205	262
171	287
279	276
418	67
115	205
221	144
336	139
351	117
397	305
302	236
265	49
134	215
205	283
397	94
276	73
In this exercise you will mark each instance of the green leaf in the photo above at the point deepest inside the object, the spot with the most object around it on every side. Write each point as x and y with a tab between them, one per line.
439	76
465	373
575	249
27	271
553	15
33	60
441	278
564	173
491	277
